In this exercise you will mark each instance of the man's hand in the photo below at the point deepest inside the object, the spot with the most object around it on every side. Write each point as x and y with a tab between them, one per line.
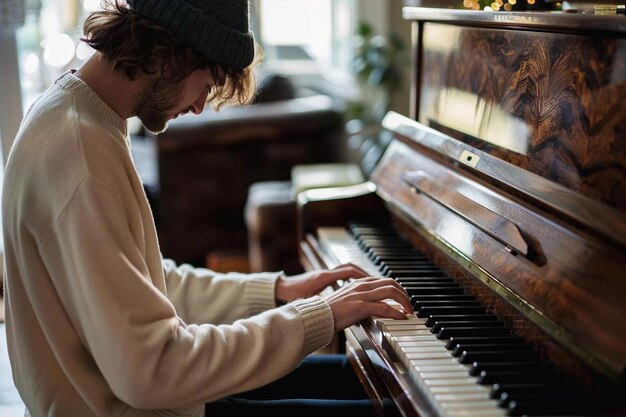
364	298
361	298
311	283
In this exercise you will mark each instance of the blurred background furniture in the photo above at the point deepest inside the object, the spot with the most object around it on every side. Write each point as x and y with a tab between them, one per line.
271	213
207	162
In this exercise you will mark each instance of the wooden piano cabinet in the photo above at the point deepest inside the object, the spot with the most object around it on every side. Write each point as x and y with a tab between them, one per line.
511	176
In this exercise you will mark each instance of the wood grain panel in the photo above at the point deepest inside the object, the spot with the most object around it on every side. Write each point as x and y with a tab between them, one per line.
554	104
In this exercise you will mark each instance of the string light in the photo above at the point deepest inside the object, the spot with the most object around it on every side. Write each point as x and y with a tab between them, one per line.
494	5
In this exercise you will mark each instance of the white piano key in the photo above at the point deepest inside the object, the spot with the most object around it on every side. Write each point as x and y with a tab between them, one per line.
419	338
401	325
470	405
458	389
474	396
411	318
398	334
420	349
441	368
451	382
427	355
475	413
406	331
435	343
443	375
434	362
414	366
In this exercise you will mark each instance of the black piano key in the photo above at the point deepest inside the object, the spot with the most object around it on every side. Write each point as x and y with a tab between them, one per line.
421	280
409	264
433	297
370	226
511	390
480	340
386	268
448	332
372	235
419	304
451	297
424	280
506	398
400	254
548	407
436	328
538	366
416	292
417	287
468	357
371	232
363	229
514	377
429	283
431	320
444	311
370	249
554	389
490	347
386	247
408	268
410	273
378	259
429	289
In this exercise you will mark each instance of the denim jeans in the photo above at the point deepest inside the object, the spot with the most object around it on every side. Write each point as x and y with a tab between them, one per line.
322	386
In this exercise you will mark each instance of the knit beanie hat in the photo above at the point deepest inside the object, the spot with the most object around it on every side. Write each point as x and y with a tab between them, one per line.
217	30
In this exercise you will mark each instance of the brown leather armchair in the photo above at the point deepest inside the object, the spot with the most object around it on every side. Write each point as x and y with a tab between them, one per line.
206	164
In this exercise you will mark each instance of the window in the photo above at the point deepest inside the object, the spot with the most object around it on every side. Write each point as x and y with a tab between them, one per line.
48	44
308	39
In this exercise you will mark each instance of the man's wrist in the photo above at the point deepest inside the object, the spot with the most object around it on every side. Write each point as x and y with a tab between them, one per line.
280	290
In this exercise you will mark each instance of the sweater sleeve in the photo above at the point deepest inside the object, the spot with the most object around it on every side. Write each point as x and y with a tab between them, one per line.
203	296
147	355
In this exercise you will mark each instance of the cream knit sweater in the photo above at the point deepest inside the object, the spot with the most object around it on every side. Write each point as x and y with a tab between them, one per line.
97	323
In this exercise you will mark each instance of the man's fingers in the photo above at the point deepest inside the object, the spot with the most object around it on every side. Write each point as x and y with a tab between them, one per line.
348	271
384	310
369	284
389	292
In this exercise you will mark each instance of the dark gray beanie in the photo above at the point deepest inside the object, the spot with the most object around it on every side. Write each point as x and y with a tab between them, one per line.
217	30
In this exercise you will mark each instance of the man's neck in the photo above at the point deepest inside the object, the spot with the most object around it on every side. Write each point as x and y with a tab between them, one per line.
111	86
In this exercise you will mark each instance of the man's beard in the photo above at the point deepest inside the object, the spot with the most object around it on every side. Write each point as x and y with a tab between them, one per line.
156	103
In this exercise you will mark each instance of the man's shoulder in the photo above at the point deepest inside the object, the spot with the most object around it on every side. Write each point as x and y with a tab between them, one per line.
61	142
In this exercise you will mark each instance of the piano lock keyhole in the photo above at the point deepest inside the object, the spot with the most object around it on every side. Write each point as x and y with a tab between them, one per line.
469	158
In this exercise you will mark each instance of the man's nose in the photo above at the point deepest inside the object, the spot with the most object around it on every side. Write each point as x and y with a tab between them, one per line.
198	105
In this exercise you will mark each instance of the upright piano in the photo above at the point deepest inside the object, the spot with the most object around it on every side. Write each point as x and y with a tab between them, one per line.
500	205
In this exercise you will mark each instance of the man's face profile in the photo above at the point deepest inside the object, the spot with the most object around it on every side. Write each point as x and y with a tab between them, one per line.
156	103
162	101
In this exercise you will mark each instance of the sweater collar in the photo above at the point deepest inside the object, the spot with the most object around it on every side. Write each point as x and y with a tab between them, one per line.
71	82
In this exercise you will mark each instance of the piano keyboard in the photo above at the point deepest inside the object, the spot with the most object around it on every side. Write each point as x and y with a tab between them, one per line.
464	360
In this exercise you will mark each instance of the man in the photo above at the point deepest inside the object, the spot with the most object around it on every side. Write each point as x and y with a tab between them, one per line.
97	323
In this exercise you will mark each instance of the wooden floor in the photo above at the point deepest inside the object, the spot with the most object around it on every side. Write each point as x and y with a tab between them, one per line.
10	403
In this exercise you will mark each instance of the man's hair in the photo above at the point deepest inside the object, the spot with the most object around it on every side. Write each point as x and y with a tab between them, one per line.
136	45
